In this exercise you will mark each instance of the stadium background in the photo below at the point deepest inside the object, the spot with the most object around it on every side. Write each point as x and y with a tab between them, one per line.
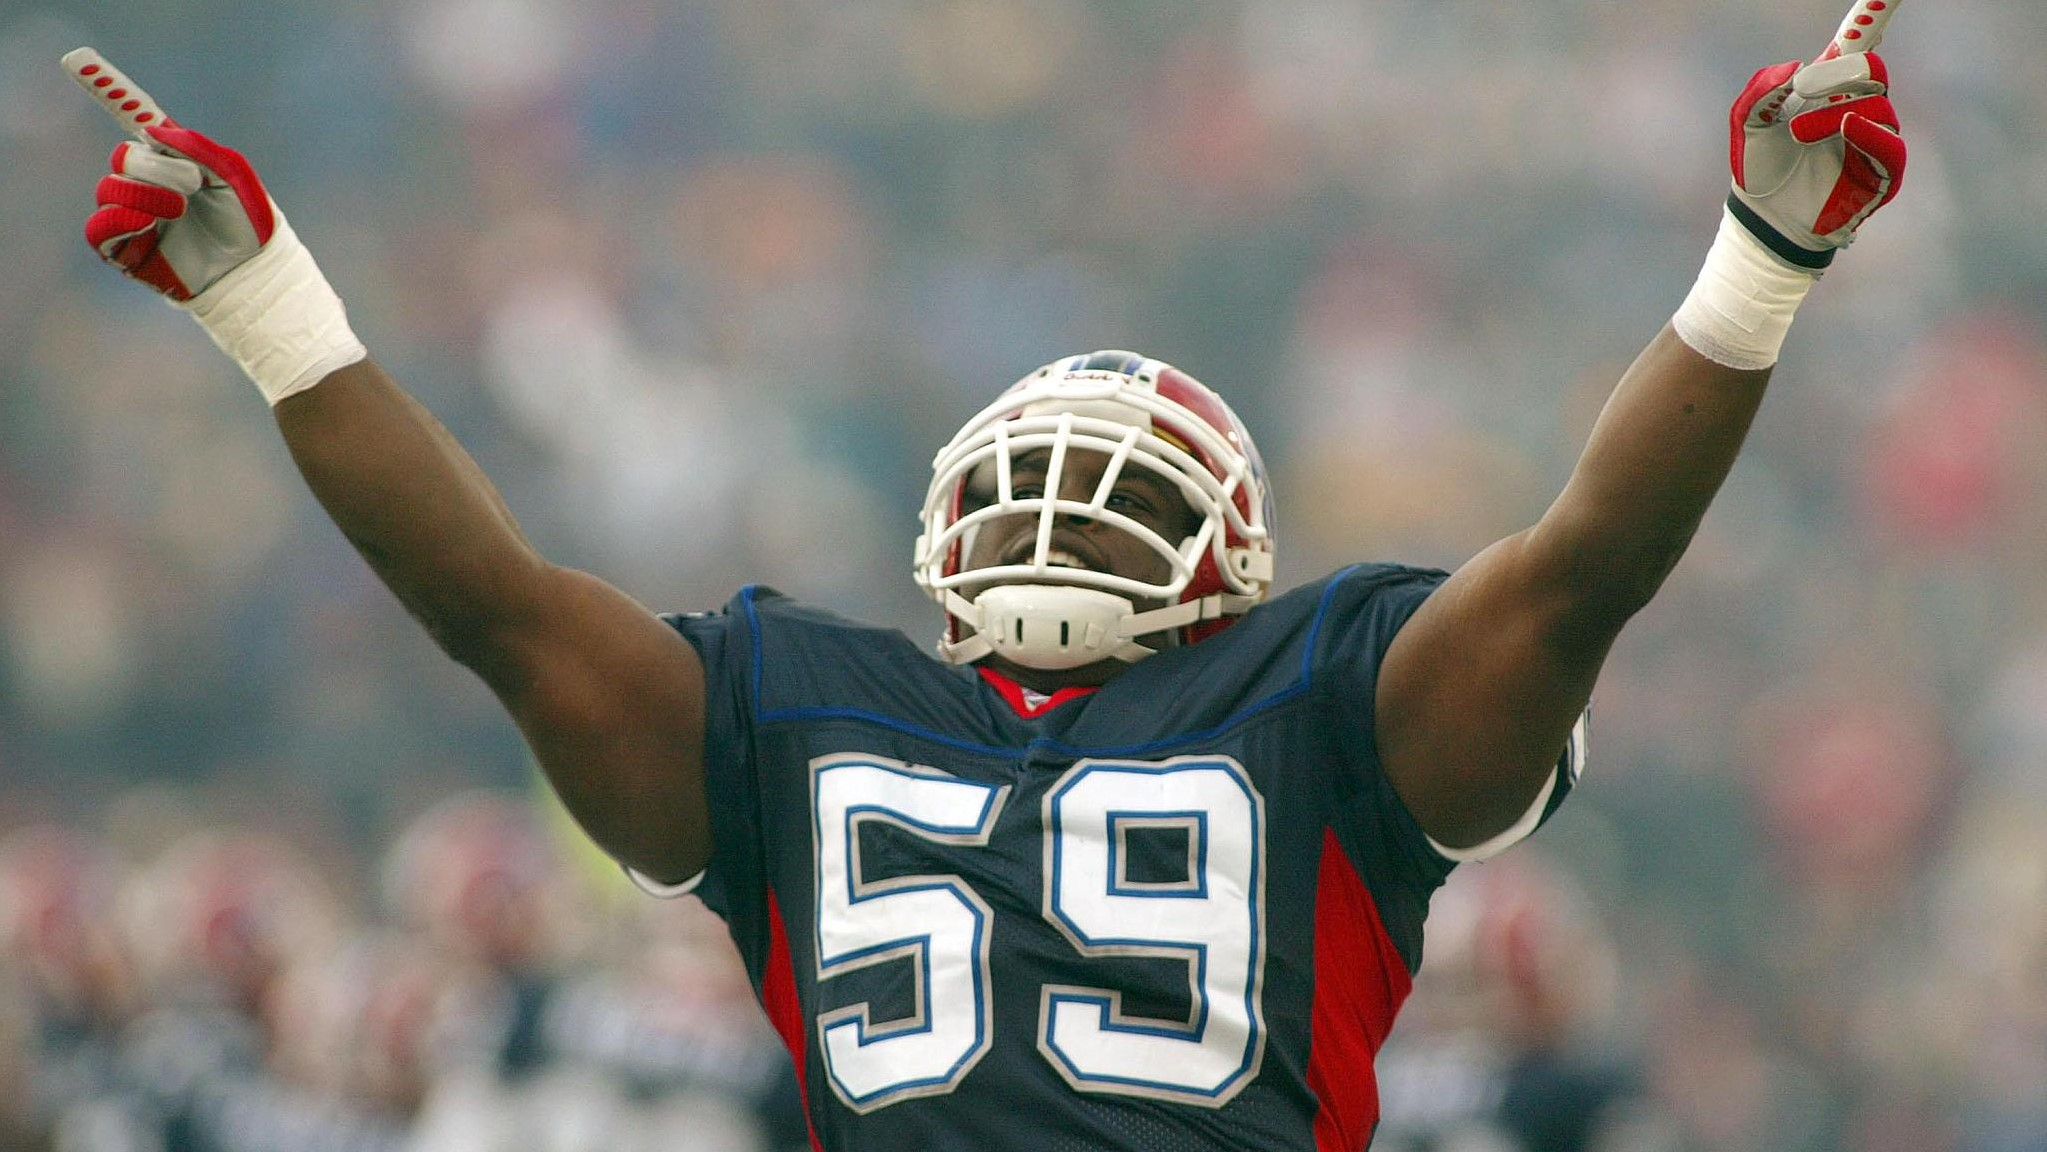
703	285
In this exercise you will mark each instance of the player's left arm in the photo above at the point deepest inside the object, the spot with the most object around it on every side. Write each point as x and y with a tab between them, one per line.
1479	692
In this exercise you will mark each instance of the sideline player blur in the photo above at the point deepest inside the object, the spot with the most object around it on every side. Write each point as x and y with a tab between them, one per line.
1142	861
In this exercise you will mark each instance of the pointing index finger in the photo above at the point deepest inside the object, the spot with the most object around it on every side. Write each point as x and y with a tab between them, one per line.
128	104
1863	29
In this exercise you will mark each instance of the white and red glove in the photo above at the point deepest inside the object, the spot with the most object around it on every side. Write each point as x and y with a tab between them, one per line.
1815	151
1805	180
180	214
191	219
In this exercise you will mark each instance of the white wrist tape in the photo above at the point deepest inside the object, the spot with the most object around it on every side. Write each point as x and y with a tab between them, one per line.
277	317
1741	307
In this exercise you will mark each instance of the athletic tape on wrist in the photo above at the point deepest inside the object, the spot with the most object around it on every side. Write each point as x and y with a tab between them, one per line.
1740	309
278	318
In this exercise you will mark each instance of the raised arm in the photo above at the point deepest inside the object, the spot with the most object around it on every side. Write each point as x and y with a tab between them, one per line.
610	699
1480	690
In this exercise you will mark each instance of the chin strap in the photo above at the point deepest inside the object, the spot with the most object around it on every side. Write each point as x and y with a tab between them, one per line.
1129	627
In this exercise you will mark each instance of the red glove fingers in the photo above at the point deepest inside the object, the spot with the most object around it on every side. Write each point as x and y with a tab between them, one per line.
1872	170
1822	122
112	226
1871	173
127	238
124	229
1881	144
160	202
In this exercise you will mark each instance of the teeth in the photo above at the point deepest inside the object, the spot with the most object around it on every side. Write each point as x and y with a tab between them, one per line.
1060	558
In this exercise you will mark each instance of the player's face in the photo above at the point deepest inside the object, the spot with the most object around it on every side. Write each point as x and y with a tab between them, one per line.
1079	541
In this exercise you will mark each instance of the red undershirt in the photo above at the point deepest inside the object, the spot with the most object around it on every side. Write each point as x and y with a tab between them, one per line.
1029	703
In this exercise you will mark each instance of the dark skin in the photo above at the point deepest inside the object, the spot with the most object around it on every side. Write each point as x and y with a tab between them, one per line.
1479	691
610	699
1475	698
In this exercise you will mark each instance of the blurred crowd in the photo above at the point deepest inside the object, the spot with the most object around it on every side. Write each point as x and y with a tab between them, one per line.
223	993
703	284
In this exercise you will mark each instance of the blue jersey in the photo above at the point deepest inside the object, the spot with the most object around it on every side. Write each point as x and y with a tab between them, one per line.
1178	912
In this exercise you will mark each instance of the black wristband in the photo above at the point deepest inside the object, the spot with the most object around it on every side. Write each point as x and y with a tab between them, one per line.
1776	241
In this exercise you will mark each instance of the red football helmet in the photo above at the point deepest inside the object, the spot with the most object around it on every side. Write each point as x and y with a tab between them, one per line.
1137	413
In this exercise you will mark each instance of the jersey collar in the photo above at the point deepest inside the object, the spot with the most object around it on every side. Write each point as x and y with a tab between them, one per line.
1026	703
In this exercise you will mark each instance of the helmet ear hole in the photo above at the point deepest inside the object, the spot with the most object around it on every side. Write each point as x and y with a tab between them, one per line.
1250	565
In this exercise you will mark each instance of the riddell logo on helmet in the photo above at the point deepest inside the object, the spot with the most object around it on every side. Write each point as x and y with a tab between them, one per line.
1110	377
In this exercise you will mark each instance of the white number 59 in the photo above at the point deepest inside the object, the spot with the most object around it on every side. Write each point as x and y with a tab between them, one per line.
1210	917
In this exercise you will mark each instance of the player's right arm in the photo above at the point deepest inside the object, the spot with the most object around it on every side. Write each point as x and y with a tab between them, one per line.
610	699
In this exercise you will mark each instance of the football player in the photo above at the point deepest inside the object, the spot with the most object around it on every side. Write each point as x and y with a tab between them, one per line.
1141	860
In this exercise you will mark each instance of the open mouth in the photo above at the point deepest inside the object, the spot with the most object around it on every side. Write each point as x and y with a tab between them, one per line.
1055	557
